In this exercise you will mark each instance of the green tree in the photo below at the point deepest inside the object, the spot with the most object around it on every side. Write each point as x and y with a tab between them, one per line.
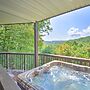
20	37
88	50
48	50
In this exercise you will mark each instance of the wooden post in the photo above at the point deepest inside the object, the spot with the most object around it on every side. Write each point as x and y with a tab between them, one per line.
36	43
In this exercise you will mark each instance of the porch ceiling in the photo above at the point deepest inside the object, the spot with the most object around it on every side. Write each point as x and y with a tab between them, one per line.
24	11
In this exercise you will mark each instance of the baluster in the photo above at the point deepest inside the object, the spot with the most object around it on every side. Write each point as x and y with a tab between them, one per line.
24	63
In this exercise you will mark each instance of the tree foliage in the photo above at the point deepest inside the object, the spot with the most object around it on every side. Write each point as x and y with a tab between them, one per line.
48	49
77	48
20	37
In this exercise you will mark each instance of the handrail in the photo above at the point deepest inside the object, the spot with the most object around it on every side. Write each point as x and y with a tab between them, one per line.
62	56
25	61
17	53
75	60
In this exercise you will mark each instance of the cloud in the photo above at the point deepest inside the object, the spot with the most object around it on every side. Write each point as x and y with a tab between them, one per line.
76	32
86	31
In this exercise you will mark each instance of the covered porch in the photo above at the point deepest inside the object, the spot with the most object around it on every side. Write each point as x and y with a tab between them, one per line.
34	11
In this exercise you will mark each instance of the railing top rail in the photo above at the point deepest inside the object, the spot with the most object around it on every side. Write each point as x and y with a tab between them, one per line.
53	55
66	57
18	53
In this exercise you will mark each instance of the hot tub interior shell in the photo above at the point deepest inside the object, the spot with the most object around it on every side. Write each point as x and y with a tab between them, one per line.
22	78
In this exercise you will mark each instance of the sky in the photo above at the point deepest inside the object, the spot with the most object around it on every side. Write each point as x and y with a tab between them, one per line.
71	25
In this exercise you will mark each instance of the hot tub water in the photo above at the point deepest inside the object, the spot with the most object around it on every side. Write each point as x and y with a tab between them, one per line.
61	78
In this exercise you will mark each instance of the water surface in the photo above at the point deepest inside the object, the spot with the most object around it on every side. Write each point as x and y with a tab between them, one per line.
61	78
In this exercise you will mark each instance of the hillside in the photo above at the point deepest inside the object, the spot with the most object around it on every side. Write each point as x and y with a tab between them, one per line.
77	47
83	39
53	42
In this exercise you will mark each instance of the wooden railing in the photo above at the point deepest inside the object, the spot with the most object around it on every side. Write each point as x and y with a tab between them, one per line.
25	61
75	60
21	61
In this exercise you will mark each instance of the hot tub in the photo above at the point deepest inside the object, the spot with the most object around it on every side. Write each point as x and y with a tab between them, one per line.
56	75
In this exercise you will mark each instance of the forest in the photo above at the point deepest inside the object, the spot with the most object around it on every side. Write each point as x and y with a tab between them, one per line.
20	38
77	48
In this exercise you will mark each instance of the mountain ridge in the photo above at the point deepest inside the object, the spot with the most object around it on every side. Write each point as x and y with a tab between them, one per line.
82	39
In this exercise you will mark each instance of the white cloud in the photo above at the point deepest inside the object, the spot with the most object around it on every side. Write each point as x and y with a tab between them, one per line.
86	31
76	32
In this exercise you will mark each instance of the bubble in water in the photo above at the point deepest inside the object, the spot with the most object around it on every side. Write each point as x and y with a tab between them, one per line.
61	78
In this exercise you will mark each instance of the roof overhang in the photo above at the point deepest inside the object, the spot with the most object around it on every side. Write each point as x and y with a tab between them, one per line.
26	11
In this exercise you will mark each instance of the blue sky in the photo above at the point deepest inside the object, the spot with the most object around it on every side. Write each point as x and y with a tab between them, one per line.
72	25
